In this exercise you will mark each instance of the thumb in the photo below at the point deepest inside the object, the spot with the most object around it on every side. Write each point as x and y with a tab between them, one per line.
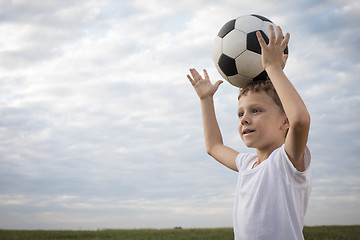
217	84
285	57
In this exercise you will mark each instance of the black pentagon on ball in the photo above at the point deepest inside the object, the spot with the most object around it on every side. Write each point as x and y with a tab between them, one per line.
227	65
252	42
253	45
262	76
262	18
230	25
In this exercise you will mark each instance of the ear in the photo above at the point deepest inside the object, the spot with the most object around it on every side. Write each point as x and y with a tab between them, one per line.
285	124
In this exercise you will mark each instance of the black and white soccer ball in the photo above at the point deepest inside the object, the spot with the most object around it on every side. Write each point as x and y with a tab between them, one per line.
237	52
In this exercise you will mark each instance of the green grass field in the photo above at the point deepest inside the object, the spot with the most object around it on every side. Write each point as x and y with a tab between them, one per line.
315	233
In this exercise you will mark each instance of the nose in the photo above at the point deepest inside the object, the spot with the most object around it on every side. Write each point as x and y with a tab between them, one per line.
245	120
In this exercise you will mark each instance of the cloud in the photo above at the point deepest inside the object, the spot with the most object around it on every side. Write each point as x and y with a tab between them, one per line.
100	128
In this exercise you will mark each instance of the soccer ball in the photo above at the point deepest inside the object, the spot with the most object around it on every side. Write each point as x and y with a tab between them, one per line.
237	52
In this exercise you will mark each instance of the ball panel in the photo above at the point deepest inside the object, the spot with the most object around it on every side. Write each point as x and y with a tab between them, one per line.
227	28
286	50
261	17
252	42
221	72
248	24
217	49
227	65
233	43
265	29
249	64
262	76
239	80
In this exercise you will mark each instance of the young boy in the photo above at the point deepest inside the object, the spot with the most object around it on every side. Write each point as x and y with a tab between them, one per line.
274	184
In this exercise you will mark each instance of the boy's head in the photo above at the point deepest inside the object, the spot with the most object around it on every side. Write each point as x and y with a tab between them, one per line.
262	85
262	120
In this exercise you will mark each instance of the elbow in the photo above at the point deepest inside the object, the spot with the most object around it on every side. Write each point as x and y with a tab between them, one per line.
209	151
301	121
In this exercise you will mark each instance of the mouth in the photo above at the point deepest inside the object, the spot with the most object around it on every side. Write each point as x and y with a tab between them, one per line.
248	132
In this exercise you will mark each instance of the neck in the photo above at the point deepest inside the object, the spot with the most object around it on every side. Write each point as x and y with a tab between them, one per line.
263	154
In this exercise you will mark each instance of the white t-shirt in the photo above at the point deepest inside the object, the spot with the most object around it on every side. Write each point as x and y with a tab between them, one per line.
272	198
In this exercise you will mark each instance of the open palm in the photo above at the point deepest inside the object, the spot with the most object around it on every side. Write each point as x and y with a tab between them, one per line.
203	87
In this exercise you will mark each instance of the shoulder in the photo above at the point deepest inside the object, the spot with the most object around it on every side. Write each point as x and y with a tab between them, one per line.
306	158
243	159
282	162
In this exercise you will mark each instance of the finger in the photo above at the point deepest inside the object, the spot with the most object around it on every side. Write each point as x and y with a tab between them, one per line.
271	35
280	35
285	41
206	75
196	76
191	80
260	39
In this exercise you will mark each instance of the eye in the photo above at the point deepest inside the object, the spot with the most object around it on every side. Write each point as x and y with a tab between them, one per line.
256	110
240	114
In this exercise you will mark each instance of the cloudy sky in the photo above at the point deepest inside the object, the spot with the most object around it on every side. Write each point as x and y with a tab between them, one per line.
100	128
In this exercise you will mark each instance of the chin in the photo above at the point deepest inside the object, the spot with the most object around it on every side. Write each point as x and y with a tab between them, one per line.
250	145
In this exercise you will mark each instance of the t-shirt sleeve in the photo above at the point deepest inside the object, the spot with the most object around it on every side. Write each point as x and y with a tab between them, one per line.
307	158
238	160
286	166
241	160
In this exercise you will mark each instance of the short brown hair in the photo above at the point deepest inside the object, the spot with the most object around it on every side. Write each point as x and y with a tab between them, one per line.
262	85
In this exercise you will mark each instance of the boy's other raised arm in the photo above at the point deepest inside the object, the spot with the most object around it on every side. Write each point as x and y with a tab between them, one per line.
213	138
273	59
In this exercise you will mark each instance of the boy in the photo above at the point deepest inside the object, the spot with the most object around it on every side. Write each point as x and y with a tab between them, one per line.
274	184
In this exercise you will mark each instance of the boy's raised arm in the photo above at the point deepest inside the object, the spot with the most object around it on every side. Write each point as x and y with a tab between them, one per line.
273	59
213	139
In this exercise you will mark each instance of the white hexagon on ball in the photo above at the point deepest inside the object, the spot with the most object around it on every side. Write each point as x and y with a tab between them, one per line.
249	64
248	24
234	43
265	28
217	49
239	80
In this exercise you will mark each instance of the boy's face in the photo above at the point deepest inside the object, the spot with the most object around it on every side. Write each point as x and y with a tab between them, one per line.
262	125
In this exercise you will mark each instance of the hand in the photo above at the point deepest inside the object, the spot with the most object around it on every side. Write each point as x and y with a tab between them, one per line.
273	53
203	87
